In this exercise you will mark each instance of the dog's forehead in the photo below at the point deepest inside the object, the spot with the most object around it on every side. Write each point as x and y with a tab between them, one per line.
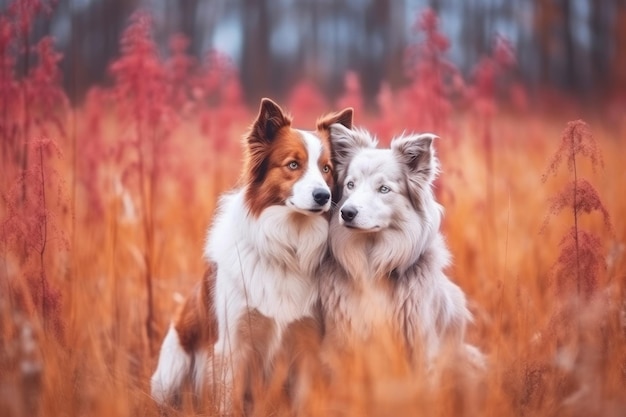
312	142
315	142
369	162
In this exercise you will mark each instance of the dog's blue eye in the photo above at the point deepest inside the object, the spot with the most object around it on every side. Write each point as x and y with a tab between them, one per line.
350	185
384	189
293	165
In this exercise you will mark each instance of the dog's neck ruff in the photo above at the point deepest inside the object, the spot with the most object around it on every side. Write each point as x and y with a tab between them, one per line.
268	260
389	252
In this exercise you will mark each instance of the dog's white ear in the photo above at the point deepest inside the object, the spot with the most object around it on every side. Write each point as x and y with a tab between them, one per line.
417	153
345	144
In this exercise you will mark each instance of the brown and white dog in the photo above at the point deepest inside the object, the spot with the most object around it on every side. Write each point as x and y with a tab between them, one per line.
266	242
385	270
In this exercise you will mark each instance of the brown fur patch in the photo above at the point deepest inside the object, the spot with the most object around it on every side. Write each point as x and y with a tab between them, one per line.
285	385
255	333
196	322
278	178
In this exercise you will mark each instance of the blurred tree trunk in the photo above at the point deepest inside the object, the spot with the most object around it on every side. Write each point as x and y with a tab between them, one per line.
600	43
544	21
255	60
435	5
618	62
313	34
569	48
376	52
475	35
188	10
95	36
308	65
76	78
395	71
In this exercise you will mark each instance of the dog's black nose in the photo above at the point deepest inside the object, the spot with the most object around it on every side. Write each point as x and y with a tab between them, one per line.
349	213
321	196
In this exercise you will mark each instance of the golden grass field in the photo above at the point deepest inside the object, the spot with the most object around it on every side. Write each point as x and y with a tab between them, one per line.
548	355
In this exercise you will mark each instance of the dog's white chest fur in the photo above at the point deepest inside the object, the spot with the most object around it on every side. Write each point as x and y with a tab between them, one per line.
265	263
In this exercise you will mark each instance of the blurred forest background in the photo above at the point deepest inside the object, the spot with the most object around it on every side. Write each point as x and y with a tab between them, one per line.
574	46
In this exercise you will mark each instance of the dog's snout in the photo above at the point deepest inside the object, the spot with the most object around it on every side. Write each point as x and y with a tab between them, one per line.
349	213
321	196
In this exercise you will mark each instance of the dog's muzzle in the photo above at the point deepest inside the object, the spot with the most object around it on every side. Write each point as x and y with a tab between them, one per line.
321	196
349	213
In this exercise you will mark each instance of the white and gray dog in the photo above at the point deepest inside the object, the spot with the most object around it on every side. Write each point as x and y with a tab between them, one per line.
387	256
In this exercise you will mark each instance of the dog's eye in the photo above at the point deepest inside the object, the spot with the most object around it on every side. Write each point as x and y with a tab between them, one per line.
293	165
326	169
384	189
350	185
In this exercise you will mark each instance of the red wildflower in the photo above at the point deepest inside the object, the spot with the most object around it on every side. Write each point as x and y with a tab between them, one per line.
428	23
23	13
581	197
141	96
180	68
9	93
579	263
488	76
26	93
31	227
140	78
45	94
575	140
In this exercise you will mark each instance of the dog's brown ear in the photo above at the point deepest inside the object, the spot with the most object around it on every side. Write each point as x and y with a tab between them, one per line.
269	121
343	117
416	152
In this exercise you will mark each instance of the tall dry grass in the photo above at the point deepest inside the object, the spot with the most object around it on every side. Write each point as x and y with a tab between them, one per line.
539	362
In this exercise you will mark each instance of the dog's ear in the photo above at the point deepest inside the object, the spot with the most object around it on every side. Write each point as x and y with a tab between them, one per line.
416	152
269	121
346	142
343	117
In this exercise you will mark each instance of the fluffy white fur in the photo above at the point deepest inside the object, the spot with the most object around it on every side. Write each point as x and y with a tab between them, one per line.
302	199
263	263
387	261
172	368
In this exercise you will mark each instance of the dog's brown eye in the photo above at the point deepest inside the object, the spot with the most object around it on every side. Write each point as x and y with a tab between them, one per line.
326	169
293	165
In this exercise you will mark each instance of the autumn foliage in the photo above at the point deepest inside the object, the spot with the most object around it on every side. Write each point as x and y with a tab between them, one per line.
580	261
104	207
